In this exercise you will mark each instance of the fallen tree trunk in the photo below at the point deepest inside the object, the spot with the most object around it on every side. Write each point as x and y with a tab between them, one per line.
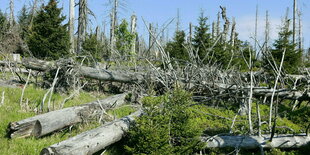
102	74
252	142
92	141
87	72
44	124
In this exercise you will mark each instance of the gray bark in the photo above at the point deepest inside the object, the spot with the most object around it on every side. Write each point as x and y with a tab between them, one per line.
44	124
82	24
252	142
92	141
11	19
71	25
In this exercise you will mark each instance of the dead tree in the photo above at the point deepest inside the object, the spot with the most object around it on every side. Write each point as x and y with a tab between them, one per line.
11	19
113	26
133	32
255	34
71	25
226	26
294	21
252	142
266	32
92	141
190	35
47	123
82	25
300	35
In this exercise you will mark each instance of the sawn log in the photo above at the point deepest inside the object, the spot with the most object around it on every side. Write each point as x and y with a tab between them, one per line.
44	124
92	141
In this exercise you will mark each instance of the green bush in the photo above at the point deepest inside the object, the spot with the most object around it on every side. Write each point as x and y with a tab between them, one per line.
165	127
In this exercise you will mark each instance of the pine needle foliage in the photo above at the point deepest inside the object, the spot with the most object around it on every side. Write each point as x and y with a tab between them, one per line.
165	127
49	38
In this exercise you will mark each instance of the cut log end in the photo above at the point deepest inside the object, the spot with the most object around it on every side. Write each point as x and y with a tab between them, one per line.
48	151
32	128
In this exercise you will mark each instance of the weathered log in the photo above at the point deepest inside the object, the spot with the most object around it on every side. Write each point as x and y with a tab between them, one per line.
44	124
105	75
92	141
88	72
251	142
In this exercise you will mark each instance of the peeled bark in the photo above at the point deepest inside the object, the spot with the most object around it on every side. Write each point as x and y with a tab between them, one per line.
44	124
252	142
92	141
102	74
88	72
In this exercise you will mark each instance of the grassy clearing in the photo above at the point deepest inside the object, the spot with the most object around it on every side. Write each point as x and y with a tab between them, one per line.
11	111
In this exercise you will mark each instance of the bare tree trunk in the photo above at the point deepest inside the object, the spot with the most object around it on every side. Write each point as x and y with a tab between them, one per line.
82	25
233	33
113	26
294	21
134	33
300	37
218	24
11	19
178	20
266	32
190	33
255	35
251	94
151	42
213	31
71	25
226	26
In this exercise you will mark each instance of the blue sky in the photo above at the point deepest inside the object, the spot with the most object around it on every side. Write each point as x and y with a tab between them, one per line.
162	11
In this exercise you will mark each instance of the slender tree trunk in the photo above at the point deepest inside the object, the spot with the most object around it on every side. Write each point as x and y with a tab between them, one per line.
256	22
190	33
266	32
82	25
300	37
178	20
294	21
213	31
218	24
133	32
71	25
151	39
233	33
11	20
113	26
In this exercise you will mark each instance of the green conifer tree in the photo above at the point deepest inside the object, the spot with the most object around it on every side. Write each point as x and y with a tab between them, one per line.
202	37
94	47
123	38
49	38
3	23
176	47
292	57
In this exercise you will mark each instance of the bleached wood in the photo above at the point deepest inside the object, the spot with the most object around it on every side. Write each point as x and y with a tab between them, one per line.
92	141
44	124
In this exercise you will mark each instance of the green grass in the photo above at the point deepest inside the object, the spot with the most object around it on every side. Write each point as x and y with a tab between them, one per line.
11	111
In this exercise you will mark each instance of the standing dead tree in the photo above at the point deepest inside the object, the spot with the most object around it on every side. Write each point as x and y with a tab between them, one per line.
82	25
11	19
113	26
226	25
71	25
